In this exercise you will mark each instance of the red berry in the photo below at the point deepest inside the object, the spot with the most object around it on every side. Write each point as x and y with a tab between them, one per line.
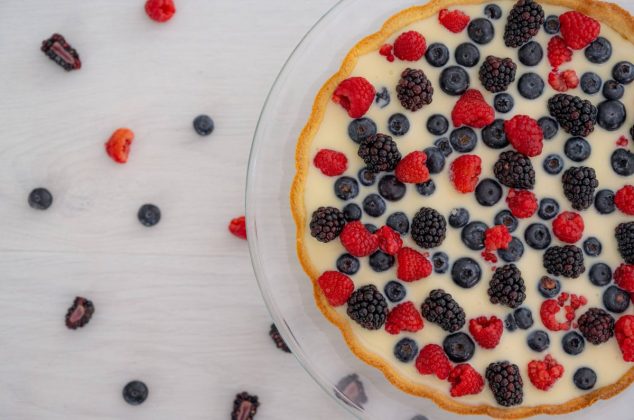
455	20
624	277
464	172
568	227
525	135
160	10
486	332
522	203
386	51
578	30
622	141
330	162
624	200
412	265
404	317
472	110
548	313
624	331
118	146
497	237
544	374
238	227
561	82
358	240
337	287
465	380
389	240
355	95
558	52
432	360
410	46
412	168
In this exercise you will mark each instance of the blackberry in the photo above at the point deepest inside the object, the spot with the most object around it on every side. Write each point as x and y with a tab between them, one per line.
428	228
57	49
414	89
575	115
624	234
379	152
596	325
79	313
564	261
579	186
515	170
496	74
275	335
440	308
327	223
506	383
524	21
245	406
507	286
367	307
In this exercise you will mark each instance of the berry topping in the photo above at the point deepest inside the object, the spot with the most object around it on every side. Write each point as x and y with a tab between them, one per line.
391	189
473	235
275	335
472	110
330	162
592	247
458	217
432	361
493	135
493	11
79	313
326	224
624	277
466	272
623	72
599	51
564	261
160	10
437	54
538	340
136	392
348	264
503	102
395	291
591	83
486	332
406	350
440	261
496	74
463	139
624	200
624	331
346	188
389	240
382	98
549	287
578	30
412	168
404	317
523	318
337	287
355	95
414	89
412	265
357	240
467	54
585	378
531	85
454	80
514	170
465	380
553	164
524	21
238	227
575	115
537	236
367	307
57	49
544	374
481	31
577	149
600	274
40	199
459	347
616	300
568	227
573	343
551	24
624	234
428	228
497	237
118	146
440	308
596	325
464	172
579	185
360	129
352	212
611	115
507	287
455	21
525	135
437	124
410	46
548	208
149	215
380	153
558	52
531	53
505	381
399	222
563	81
522	203
506	218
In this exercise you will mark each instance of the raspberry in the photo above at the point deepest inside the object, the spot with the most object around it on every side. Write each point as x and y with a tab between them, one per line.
330	162
79	313
624	277
412	265
358	240
464	172
337	287
160	10
486	332
389	241
525	135
522	203
558	52
548	312
410	46
497	237
404	317
355	95
386	51
432	360
465	380
238	227
544	374
472	110
578	30
568	227
624	200
118	146
561	82
622	141
57	49
455	21
412	169
624	331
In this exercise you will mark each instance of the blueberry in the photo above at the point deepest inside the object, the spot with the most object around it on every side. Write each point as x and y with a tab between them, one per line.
437	124
426	188
623	72
380	261
391	188
444	146
395	291
204	125
473	235
360	129
458	217
599	51
493	11
509	323
459	347
481	31
406	350
622	162
374	205
551	24
382	98
514	251
346	188
600	274
40	199
437	54
398	124
493	135
548	208
523	318
467	54
611	115
531	53
577	149
553	164
503	103
604	201
531	86
549	126
616	300
488	192
592	247
537	236
348	264
548	287
399	222
538	340
463	139
371	228
507	219
440	261
135	392
352	212
573	343
585	378
435	160
591	83
149	215
613	90
366	177
466	272
454	80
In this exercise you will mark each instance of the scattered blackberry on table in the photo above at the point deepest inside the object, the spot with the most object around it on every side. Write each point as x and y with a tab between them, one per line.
585	378
380	261
624	234
537	236
548	208
398	124
592	246
136	392
382	98
395	291
380	153
203	125
348	264
596	325
437	54
459	347
440	308
524	21
493	11
454	80
435	160
437	124
616	300
440	261
553	164
406	350
613	90
515	170
429	228
472	235
496	74
564	261
488	192
391	188
600	274
623	72
481	31
531	85
538	340
466	272
467	54
444	146
611	115
80	313
507	287
506	218
622	162
352	212
458	217
374	205
367	307
573	343
590	83
523	318
493	135
327	223
149	215
57	49
503	103
577	149
599	51
575	115
604	201
40	199
514	252
360	129
426	188
275	335
366	178
346	188
548	287
551	24
531	53
463	139
506	383
414	90
399	222
579	185
350	390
